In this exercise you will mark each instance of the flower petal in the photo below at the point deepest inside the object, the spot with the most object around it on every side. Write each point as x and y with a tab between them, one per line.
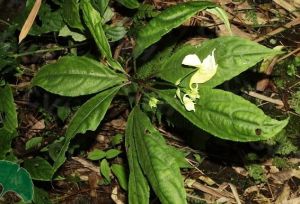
209	63
188	103
191	60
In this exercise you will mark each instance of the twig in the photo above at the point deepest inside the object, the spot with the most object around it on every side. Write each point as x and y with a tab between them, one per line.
279	30
265	98
289	54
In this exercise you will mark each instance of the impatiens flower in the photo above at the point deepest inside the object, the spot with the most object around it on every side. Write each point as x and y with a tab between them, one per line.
153	102
205	70
188	103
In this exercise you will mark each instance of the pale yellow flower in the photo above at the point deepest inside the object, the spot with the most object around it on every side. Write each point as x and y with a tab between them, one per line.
153	102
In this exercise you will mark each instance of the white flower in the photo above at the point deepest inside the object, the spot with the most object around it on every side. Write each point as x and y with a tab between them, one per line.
153	102
205	70
188	103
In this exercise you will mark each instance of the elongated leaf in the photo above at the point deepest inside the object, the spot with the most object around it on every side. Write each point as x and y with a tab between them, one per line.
70	13
121	174
132	4
138	188
88	117
232	54
16	179
159	166
220	13
93	20
166	21
39	169
105	170
227	116
8	109
75	76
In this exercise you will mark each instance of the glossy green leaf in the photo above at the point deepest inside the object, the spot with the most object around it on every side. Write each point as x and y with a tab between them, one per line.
70	13
220	13
8	109
16	179
227	116
115	33
120	172
65	31
131	4
159	166
166	21
39	169
33	142
232	54
102	5
138	188
112	153
75	76
88	117
105	170
93	20
96	154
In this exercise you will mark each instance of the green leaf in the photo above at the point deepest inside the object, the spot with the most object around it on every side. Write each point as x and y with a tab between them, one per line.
115	33
120	172
232	54
41	196
165	22
159	166
96	154
93	20
220	13
16	179
138	188
5	142
112	153
8	109
105	170
131	4
102	5
65	31
117	139
75	76
227	116
88	117
39	169
33	142
70	14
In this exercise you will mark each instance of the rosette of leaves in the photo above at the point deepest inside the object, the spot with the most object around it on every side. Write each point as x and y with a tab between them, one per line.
151	161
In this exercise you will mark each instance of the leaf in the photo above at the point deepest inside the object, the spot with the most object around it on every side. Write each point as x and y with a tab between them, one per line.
65	31
120	172
88	117
138	188
220	13
5	142
227	116
115	33
39	169
232	54
96	154
41	196
30	19
70	14
159	166
75	76
112	153
8	107
105	170
16	179
117	139
165	22
102	4
131	4
33	142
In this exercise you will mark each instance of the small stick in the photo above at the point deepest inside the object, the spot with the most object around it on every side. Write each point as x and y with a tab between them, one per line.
279	30
265	98
289	54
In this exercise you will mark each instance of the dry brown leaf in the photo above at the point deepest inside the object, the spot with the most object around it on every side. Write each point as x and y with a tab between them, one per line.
284	195
30	19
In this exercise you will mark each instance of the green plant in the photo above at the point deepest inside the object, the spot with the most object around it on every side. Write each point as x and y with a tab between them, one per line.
183	77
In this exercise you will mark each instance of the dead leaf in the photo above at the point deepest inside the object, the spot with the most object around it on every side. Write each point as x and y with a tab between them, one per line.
30	19
114	196
284	195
